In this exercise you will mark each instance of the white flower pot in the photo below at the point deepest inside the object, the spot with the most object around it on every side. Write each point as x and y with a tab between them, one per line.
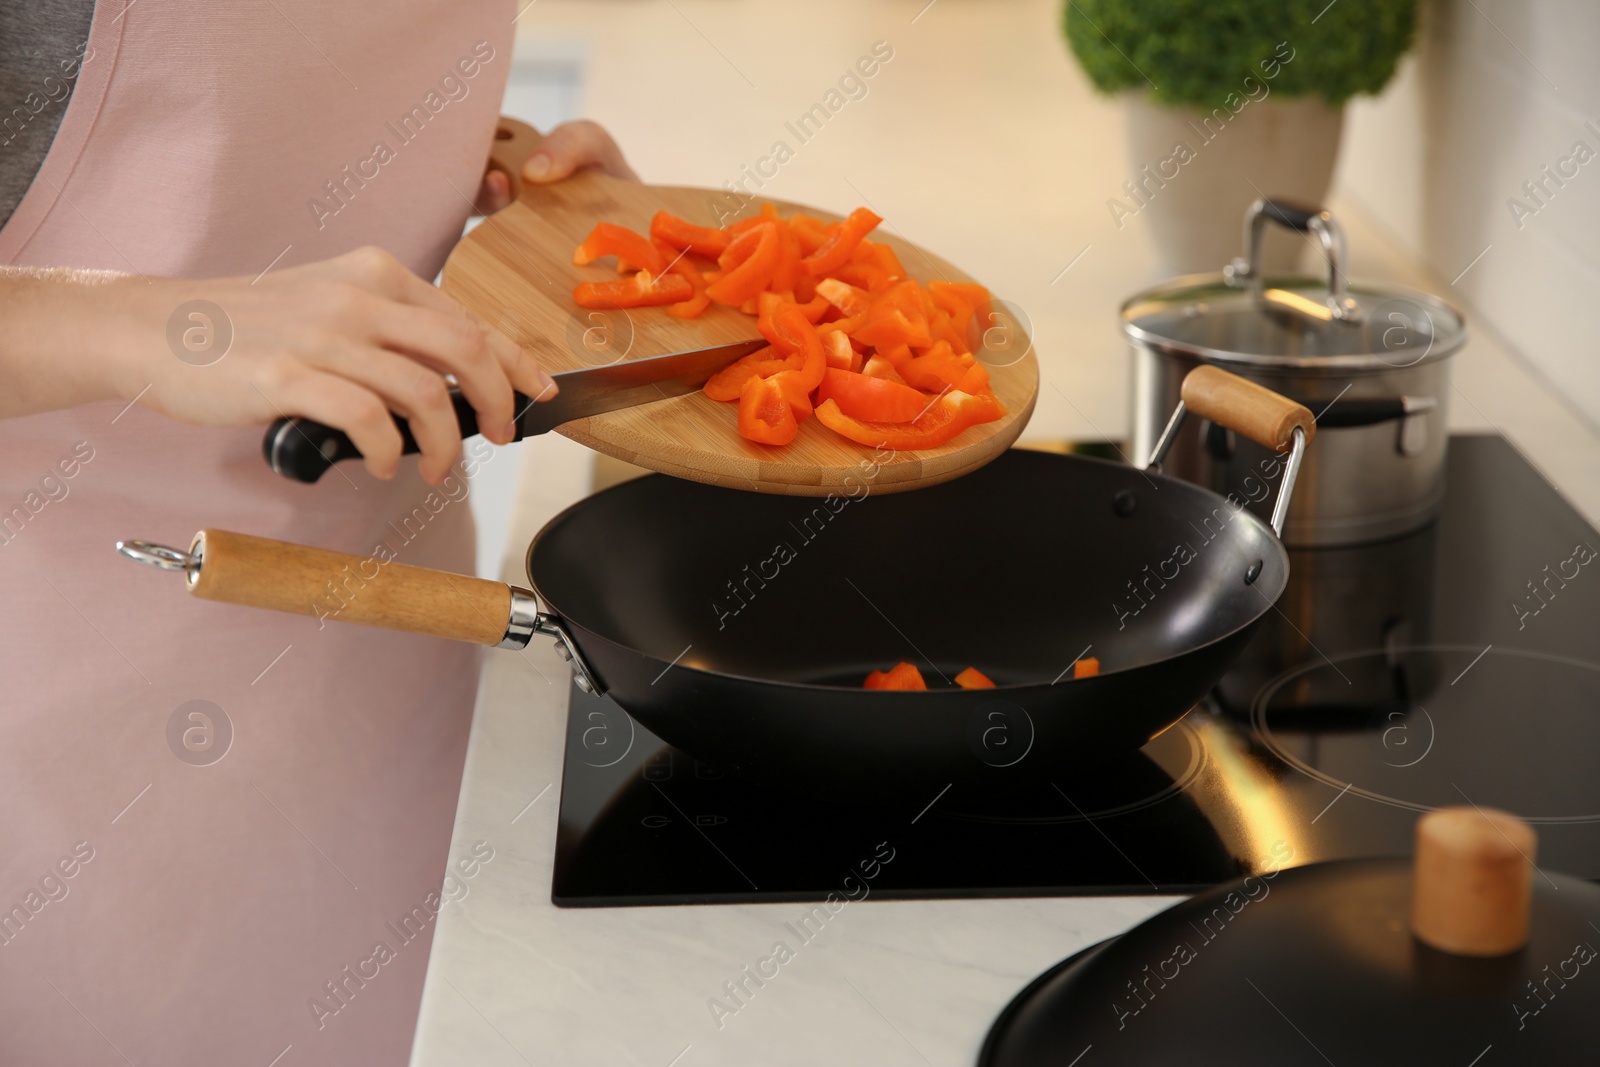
1195	172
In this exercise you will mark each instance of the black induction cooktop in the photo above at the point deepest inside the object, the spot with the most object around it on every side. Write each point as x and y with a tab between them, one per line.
1458	664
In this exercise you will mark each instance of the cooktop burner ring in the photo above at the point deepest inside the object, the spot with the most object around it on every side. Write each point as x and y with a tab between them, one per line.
1194	763
1263	731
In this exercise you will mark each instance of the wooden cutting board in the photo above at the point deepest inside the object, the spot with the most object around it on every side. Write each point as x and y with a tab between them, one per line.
516	271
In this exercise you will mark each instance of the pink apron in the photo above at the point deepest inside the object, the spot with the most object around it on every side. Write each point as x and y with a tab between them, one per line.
255	875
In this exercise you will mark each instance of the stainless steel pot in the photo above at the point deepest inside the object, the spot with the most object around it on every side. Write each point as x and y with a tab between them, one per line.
1372	362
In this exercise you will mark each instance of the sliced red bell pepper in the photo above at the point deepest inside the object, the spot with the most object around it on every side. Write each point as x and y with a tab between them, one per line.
767	213
970	295
955	312
807	362
815	309
767	305
742	245
844	296
841	244
908	296
871	399
946	418
796	393
840	353
678	262
779	326
747	265
849	325
728	382
882	256
889	357
879	367
898	355
975	381
702	240
891	326
810	232
901	676
691	308
938	369
637	291
942	327
608	239
896	316
787	270
766	415
868	276
973	678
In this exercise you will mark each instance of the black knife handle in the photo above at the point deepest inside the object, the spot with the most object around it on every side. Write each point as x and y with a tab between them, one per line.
302	450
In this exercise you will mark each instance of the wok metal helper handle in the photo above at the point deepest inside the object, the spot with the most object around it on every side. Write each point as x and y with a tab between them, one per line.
1251	410
257	572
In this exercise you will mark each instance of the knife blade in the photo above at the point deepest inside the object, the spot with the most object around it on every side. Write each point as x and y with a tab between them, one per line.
597	390
302	450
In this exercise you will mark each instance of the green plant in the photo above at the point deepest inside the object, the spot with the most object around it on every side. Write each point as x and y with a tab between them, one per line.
1196	52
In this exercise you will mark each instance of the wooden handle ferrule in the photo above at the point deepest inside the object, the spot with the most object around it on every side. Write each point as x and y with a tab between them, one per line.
1246	408
257	572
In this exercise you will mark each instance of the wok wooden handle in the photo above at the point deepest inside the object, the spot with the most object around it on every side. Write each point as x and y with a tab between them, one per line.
1246	408
514	142
1472	884
258	572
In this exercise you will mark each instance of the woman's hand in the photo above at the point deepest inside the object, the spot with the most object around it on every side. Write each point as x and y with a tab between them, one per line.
344	341
569	147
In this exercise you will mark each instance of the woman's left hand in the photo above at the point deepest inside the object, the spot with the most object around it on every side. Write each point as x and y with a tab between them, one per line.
570	146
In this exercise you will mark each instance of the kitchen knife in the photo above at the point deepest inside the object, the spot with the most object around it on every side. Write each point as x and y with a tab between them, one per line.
301	449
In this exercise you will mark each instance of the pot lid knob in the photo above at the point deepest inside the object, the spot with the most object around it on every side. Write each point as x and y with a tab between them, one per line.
1472	881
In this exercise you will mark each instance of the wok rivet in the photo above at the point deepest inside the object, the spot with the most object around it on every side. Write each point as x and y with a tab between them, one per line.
1124	503
1252	573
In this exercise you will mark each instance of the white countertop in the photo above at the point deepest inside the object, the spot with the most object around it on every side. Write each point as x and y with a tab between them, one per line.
981	107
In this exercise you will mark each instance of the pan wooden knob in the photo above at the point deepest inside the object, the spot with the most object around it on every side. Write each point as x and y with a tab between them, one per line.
1472	881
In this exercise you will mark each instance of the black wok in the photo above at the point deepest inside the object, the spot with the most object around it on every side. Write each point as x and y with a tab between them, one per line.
740	626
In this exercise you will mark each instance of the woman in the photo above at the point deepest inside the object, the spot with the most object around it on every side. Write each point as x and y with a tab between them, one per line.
225	831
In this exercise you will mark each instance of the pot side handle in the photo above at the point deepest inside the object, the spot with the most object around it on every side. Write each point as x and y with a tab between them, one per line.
257	572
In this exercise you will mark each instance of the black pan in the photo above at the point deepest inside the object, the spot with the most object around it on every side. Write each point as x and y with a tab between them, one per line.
740	626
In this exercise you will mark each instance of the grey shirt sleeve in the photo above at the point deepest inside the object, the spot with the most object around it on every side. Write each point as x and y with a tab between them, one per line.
41	52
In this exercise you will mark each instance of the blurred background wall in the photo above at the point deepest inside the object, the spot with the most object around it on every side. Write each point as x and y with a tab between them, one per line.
1496	91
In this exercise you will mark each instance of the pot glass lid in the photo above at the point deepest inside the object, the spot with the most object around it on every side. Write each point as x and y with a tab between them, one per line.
1291	320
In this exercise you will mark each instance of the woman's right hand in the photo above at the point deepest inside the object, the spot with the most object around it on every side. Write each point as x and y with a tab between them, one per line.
344	342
